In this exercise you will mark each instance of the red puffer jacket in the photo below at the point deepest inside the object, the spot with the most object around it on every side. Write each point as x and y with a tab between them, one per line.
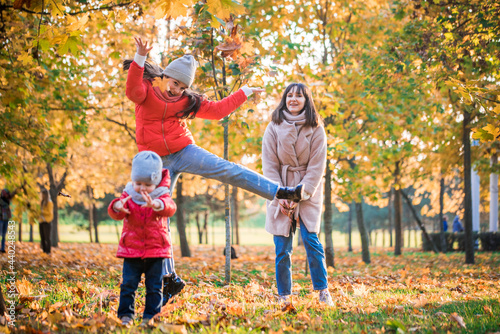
158	129
145	231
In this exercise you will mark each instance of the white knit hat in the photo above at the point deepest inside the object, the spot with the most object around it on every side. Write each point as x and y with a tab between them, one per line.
147	167
182	69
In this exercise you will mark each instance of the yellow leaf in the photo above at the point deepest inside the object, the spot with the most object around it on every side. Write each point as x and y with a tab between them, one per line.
162	83
490	128
224	8
77	24
172	8
26	59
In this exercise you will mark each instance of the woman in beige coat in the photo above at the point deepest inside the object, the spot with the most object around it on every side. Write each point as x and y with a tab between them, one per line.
293	153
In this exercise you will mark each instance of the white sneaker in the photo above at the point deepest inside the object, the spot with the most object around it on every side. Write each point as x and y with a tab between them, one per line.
127	321
324	297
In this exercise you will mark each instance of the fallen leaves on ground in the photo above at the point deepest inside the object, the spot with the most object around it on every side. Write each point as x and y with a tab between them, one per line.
76	288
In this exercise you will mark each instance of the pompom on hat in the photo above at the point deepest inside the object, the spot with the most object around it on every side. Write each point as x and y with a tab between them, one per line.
182	69
147	167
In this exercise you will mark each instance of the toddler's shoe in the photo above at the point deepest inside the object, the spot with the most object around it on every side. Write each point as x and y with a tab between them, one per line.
147	322
127	321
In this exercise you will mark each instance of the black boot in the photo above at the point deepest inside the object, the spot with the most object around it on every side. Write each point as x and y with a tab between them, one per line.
172	285
290	193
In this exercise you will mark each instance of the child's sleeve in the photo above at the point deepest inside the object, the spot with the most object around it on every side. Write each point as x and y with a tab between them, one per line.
137	89
117	215
169	206
219	109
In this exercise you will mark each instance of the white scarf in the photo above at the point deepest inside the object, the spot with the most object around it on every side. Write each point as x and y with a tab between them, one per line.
137	197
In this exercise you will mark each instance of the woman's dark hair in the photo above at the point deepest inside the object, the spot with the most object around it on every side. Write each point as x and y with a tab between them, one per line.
313	119
152	71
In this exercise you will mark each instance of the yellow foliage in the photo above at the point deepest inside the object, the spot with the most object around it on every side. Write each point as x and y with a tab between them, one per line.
172	9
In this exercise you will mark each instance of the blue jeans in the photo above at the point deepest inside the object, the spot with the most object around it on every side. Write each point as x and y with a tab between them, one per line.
194	160
4	224
132	272
315	257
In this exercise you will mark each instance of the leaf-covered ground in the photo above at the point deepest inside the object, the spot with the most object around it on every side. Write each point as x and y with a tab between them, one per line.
76	289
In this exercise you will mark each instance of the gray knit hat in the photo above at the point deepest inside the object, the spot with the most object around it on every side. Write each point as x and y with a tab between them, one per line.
182	69
146	167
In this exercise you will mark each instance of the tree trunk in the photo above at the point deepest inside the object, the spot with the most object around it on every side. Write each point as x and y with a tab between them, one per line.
31	231
469	240
20	230
494	195
397	221
365	249
442	236
235	215
96	222
327	217
391	215
55	188
398	208
408	230
349	226
181	225
422	227
3	308
205	226
91	212
200	229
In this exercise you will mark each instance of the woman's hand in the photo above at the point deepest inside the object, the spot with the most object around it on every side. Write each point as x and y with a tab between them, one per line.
119	206
142	48
287	208
150	203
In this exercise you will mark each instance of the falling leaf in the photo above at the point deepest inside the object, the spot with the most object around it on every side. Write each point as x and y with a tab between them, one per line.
161	83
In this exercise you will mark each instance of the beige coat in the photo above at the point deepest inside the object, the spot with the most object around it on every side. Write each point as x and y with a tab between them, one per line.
293	154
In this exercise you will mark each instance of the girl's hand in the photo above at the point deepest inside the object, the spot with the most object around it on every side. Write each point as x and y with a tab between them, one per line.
256	90
119	206
149	201
142	48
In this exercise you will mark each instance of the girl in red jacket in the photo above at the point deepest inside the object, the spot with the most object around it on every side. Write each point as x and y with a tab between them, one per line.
161	127
144	206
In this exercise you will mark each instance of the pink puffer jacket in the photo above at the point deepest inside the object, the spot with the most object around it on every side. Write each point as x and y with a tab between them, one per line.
145	231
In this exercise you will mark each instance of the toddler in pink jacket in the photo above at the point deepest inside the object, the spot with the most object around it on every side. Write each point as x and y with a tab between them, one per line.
144	206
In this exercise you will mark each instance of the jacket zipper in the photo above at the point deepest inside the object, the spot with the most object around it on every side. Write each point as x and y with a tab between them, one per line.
163	129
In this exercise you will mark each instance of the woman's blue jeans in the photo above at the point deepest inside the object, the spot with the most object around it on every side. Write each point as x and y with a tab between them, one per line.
132	272
315	257
195	160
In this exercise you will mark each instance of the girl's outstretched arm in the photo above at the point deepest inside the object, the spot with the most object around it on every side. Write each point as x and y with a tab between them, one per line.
219	109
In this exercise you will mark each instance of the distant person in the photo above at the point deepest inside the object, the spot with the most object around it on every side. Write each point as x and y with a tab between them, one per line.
45	220
294	153
457	225
5	200
445	224
145	205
